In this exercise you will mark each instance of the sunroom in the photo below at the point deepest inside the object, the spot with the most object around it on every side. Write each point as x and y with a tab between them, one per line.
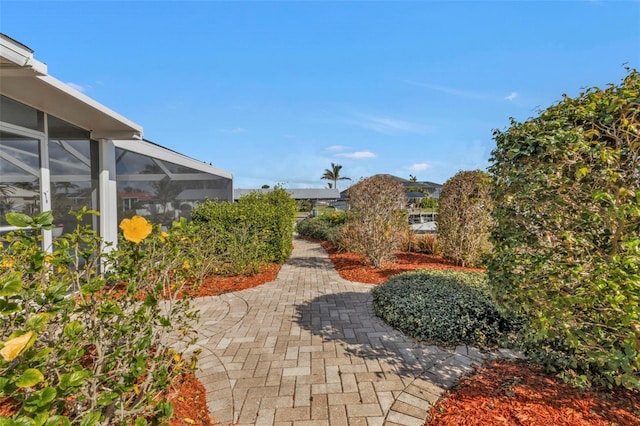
61	150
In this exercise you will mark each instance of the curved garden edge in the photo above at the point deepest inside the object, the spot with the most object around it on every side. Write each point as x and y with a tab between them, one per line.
499	392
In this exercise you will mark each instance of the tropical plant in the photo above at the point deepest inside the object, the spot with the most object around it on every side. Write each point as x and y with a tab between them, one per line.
377	220
92	336
333	174
567	233
464	218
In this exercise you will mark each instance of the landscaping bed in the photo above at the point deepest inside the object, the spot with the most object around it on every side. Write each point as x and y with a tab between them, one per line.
353	267
509	393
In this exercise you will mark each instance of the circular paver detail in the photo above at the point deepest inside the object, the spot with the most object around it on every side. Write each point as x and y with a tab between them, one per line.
307	349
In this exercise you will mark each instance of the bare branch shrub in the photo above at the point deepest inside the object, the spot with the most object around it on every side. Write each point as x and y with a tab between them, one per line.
377	219
464	218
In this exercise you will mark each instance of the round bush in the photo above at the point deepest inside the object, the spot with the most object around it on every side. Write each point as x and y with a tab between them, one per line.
324	227
444	307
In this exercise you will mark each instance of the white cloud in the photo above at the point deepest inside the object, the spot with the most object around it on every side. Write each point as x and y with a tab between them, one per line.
511	96
357	154
386	125
336	148
234	130
419	167
78	87
460	93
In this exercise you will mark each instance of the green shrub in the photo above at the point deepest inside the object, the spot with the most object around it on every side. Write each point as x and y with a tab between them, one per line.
325	227
246	235
464	218
567	234
377	220
444	307
81	346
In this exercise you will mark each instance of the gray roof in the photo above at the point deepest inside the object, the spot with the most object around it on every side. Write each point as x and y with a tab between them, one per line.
201	194
297	193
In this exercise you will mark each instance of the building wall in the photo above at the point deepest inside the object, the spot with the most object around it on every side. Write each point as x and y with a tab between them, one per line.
47	163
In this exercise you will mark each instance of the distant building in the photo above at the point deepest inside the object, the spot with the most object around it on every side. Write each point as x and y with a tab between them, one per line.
413	190
61	150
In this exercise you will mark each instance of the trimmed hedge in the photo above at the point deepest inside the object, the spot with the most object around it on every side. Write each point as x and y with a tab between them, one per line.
444	307
256	230
325	227
567	233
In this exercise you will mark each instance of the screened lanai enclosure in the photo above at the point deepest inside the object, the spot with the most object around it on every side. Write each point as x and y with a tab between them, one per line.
61	150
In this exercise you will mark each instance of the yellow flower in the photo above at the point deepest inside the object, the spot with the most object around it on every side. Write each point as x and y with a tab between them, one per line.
135	229
13	347
186	265
163	237
7	263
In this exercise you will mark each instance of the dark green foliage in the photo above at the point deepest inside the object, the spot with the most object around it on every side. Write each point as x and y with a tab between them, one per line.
444	307
567	233
256	230
325	227
464	218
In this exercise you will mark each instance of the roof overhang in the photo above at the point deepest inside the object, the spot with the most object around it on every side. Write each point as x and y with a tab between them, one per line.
25	80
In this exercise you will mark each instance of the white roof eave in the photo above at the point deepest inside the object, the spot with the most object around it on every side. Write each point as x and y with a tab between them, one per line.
26	80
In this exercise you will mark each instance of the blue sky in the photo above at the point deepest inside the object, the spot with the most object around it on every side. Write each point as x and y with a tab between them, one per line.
276	91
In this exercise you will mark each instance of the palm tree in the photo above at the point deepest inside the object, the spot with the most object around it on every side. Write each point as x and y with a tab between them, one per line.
334	174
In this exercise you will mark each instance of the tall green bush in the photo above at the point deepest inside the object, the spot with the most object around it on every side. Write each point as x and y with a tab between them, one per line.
377	220
256	230
464	218
567	232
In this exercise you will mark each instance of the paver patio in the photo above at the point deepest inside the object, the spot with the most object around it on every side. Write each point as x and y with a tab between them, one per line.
307	349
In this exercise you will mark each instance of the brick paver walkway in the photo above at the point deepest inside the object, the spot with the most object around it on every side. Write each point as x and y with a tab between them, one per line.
307	349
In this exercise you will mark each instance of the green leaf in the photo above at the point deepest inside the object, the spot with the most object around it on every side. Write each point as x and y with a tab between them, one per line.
90	419
7	308
41	418
40	399
582	172
4	381
20	220
73	329
107	398
140	421
38	322
11	284
58	421
29	378
73	379
44	218
20	421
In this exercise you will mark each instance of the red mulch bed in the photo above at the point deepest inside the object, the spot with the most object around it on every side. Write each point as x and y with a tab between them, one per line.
515	393
354	267
216	284
189	400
